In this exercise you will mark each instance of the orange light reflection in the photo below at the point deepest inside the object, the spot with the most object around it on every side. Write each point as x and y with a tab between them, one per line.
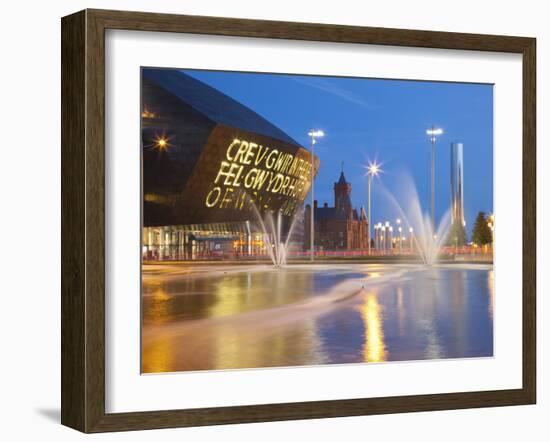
374	349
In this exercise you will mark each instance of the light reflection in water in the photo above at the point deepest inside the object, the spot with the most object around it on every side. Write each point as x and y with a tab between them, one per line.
159	311
433	347
158	358
491	286
400	311
228	299
374	349
428	324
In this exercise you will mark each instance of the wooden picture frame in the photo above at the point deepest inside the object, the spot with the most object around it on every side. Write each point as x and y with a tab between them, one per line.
83	220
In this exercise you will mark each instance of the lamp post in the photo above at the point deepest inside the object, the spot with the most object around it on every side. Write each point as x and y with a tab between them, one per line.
433	132
400	239
387	239
372	170
399	229
412	238
313	134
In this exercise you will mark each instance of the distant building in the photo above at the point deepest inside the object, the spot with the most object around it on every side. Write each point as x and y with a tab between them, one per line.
340	227
457	184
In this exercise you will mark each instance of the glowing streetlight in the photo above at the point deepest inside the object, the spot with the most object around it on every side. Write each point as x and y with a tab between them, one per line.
491	224
373	169
316	133
313	134
377	235
161	143
433	133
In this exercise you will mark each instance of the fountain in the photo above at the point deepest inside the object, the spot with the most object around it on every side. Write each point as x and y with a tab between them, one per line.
428	239
272	229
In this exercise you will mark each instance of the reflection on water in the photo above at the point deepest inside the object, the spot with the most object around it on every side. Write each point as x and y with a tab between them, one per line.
232	292
491	286
374	349
236	317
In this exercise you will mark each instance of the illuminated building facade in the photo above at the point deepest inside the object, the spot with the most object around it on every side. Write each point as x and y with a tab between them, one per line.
340	227
207	162
457	183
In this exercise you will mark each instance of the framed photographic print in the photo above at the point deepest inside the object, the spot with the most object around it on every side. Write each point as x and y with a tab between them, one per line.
271	220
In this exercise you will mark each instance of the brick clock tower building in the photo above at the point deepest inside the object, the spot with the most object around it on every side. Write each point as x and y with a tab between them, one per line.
340	227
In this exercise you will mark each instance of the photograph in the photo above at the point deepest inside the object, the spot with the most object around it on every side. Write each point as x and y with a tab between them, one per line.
304	220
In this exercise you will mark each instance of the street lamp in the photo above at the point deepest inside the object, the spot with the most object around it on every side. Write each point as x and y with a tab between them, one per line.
491	224
313	134
433	133
398	222
377	236
373	169
162	143
400	239
412	238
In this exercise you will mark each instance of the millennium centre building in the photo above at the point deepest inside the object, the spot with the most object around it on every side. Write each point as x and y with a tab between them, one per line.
211	168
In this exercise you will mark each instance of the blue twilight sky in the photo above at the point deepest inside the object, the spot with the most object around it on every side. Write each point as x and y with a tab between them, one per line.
386	120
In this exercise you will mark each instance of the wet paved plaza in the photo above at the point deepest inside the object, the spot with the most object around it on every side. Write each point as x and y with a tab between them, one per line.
215	317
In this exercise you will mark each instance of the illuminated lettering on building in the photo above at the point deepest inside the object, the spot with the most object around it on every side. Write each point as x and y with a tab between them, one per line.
265	176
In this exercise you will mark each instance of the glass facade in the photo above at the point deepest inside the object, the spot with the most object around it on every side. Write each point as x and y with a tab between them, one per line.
203	242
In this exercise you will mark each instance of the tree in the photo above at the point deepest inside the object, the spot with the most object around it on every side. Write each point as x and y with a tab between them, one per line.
456	235
481	233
